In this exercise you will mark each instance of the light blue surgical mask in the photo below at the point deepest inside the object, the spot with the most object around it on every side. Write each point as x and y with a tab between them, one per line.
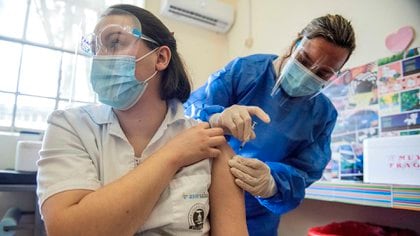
297	81
113	79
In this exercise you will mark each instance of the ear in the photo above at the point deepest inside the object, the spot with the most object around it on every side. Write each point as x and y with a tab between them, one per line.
163	58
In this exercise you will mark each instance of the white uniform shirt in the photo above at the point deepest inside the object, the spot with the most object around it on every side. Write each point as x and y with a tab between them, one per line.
85	148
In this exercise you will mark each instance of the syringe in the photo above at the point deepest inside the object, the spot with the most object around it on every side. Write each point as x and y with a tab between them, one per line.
246	140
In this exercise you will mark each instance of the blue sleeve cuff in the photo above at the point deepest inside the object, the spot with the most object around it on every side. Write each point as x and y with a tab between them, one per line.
207	111
290	189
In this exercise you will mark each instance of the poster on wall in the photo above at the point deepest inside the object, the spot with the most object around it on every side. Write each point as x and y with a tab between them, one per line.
377	99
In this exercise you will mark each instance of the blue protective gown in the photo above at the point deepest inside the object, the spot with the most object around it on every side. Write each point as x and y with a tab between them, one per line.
295	144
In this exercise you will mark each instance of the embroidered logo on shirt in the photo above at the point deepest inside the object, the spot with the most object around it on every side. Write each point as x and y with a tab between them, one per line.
196	216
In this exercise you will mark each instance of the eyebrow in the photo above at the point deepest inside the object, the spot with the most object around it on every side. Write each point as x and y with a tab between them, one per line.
307	57
322	67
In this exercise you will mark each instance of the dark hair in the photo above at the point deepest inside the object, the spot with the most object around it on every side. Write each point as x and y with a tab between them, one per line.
333	28
175	80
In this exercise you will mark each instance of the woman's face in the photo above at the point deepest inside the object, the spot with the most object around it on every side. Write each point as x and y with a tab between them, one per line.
321	57
115	35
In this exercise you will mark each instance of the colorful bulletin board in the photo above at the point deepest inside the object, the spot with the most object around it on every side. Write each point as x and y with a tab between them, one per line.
377	99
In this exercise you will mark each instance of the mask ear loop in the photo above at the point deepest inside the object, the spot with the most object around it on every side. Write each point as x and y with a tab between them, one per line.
276	86
141	58
147	54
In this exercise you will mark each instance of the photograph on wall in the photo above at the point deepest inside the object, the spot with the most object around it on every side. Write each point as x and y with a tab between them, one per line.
351	164
390	78
411	66
399	122
340	146
338	92
410	132
411	81
353	121
356	88
410	100
389	104
346	160
363	88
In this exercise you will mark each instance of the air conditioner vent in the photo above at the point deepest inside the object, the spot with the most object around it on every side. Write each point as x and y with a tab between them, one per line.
210	14
193	15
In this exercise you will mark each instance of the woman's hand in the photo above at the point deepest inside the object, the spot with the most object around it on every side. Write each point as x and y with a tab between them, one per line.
236	120
195	144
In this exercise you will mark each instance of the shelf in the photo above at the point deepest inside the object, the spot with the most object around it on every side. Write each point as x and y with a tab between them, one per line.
381	195
38	229
17	187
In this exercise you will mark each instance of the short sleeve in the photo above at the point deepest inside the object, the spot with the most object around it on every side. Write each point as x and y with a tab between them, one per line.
64	162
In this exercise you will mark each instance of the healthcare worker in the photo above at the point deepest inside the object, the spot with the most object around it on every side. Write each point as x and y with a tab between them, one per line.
136	164
278	101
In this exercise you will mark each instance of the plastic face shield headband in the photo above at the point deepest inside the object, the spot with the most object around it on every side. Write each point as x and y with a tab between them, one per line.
115	35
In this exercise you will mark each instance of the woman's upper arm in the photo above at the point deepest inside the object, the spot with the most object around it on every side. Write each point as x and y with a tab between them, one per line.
54	206
62	200
227	203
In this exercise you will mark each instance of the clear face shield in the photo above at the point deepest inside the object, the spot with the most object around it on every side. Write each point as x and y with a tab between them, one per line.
113	47
308	71
116	33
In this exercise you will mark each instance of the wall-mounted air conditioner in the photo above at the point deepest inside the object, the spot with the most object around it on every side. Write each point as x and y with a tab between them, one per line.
210	14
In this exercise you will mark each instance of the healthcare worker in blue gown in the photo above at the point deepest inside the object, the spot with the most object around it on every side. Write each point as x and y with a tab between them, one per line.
279	121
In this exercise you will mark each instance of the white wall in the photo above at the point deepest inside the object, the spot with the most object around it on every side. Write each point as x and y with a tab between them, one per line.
276	23
203	51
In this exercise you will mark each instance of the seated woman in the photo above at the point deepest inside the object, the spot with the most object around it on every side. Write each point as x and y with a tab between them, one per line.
136	164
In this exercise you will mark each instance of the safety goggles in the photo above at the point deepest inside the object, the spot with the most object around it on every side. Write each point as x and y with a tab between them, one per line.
115	34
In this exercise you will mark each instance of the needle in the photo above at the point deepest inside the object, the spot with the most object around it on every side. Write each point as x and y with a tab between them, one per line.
246	140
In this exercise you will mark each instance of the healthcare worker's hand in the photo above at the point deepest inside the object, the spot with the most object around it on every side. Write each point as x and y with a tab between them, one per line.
253	176
195	144
236	120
